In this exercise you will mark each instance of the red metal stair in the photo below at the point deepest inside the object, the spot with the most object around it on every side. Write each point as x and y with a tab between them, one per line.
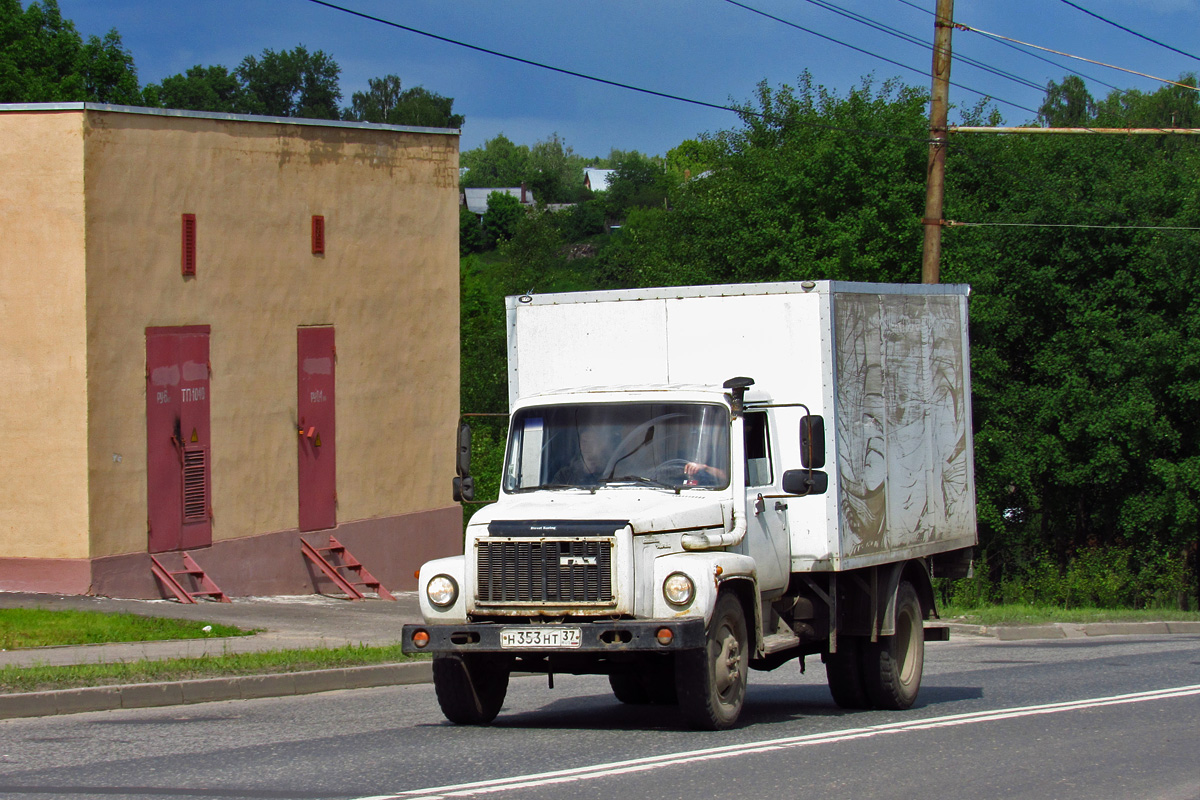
335	558
187	583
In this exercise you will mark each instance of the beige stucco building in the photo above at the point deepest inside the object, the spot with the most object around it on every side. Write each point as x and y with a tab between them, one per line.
218	334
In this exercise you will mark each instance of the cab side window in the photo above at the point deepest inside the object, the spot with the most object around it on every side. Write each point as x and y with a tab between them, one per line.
758	449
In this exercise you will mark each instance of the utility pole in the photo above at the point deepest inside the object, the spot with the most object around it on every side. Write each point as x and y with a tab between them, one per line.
939	109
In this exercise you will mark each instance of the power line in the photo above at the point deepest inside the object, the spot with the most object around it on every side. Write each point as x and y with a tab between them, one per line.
963	27
869	53
1038	56
740	111
526	61
950	223
915	40
1129	30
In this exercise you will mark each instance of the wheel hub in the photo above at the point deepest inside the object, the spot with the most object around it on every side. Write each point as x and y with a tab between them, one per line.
728	664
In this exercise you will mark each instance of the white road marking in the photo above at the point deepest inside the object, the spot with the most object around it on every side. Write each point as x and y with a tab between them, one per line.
649	763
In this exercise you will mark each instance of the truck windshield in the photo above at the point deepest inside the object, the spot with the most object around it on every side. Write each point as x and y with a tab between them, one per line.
674	445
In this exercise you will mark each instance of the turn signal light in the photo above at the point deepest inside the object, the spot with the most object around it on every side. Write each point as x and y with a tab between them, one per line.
664	636
420	638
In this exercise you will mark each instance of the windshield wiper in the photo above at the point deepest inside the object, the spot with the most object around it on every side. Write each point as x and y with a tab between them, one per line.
643	480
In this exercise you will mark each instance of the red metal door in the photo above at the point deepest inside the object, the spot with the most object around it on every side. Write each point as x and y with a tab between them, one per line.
178	452
315	405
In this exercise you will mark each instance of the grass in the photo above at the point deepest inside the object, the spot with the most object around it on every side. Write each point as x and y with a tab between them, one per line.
22	628
1021	614
44	678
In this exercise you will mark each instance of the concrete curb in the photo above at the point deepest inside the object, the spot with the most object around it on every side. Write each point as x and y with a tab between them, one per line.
206	690
1068	630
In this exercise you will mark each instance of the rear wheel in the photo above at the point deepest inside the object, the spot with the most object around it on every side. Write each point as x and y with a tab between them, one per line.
844	671
892	666
471	687
711	683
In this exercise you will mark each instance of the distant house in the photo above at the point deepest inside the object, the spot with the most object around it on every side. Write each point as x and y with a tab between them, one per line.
597	180
476	200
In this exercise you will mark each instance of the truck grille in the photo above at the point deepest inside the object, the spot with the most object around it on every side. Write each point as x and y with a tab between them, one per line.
538	572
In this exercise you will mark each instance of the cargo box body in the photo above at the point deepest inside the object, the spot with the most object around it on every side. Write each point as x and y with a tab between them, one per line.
887	366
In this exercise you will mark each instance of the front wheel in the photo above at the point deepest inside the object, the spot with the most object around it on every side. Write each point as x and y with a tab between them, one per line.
650	682
711	683
892	666
470	688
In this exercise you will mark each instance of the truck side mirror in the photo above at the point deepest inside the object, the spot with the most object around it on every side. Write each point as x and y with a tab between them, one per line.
464	489
462	462
805	481
812	441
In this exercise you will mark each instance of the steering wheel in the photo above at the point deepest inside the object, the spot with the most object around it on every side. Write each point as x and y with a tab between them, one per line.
673	471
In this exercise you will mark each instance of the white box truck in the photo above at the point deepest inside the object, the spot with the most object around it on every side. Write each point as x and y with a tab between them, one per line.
700	481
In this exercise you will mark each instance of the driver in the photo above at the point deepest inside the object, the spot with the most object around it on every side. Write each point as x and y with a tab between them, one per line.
704	475
594	450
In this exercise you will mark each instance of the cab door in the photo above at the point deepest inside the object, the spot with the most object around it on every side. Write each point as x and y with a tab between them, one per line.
767	540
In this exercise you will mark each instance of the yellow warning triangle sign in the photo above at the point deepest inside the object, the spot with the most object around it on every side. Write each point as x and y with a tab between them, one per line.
317	443
195	438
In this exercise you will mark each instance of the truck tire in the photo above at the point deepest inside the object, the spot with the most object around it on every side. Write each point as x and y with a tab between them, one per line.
653	683
629	689
470	688
711	683
844	671
892	666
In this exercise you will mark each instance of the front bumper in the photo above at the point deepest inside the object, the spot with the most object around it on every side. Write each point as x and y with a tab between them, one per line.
620	636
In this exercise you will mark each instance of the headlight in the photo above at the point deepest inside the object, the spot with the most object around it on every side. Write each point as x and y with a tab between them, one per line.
442	591
678	589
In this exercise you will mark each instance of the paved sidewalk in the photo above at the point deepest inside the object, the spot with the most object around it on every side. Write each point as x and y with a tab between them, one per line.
316	621
287	623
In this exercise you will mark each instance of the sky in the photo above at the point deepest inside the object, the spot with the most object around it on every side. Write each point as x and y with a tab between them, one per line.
711	51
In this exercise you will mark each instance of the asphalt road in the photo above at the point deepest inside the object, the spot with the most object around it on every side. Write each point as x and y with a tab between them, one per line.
1117	717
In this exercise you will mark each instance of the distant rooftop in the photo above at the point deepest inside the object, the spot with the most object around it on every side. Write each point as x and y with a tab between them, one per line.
476	200
597	179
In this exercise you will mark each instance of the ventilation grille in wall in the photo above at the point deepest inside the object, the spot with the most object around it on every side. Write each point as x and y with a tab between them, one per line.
189	244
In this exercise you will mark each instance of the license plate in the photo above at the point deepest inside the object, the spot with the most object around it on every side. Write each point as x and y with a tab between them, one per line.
541	637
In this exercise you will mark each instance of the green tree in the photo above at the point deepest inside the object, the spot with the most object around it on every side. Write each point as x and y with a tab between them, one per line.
791	196
287	83
498	163
690	159
1085	365
44	59
638	181
555	172
472	238
210	88
290	83
533	251
1169	107
503	213
387	102
1067	104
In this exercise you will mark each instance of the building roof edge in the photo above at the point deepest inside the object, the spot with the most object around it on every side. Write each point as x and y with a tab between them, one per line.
173	112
